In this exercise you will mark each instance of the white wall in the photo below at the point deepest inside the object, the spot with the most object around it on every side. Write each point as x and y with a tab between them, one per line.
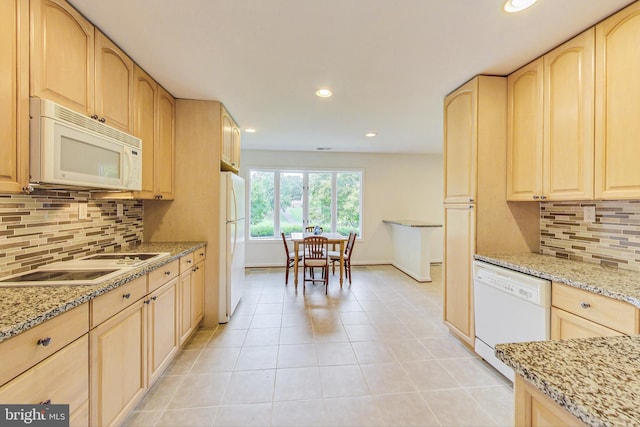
396	186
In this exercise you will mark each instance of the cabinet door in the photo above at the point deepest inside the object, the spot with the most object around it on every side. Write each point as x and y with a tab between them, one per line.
227	136
235	147
62	378
62	55
114	84
617	175
118	365
197	295
565	325
144	99
458	253
163	328
460	144
164	151
568	119
524	132
185	326
14	95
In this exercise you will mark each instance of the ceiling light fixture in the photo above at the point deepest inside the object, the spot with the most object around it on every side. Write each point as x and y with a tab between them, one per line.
513	6
323	148
324	93
370	134
250	130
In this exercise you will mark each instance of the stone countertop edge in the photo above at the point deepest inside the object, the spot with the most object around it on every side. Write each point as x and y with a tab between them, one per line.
612	282
597	380
410	223
24	307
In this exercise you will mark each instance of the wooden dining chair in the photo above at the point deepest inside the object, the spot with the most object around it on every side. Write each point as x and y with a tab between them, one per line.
334	256
316	255
290	258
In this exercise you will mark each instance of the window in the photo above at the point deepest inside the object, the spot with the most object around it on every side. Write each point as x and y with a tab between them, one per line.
330	199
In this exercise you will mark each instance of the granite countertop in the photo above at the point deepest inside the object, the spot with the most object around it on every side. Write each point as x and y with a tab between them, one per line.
595	379
612	282
410	223
24	307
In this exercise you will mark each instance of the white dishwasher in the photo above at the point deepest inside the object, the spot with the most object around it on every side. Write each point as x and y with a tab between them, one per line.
509	307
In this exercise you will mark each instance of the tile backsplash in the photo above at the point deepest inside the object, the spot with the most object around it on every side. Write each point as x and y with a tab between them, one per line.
44	227
613	239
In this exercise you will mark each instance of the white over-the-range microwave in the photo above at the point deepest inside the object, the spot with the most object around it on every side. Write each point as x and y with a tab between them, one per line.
70	150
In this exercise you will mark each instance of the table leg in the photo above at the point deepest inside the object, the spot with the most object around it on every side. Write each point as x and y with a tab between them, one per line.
341	261
295	263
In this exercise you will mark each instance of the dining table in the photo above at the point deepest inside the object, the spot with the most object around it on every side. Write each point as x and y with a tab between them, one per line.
332	239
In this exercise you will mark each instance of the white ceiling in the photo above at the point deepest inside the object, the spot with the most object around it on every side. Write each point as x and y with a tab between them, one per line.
388	62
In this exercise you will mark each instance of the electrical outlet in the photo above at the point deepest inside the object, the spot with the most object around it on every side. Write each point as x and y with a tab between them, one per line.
590	214
82	210
119	210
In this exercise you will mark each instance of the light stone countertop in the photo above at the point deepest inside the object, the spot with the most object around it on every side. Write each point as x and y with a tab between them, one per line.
24	307
410	223
612	282
595	379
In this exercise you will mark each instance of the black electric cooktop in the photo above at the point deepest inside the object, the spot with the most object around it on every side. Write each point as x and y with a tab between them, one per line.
59	275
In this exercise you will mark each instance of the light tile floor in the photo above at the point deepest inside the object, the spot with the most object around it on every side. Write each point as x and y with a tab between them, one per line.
374	353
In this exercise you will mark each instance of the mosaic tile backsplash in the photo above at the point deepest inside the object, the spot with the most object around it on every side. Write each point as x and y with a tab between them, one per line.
44	227
612	240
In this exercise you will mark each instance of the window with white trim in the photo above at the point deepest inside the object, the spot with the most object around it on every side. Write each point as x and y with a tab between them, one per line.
289	200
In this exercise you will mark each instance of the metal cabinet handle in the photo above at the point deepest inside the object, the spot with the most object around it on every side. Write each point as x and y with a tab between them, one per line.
543	197
44	341
536	197
585	305
126	296
153	298
94	116
147	301
471	200
102	120
167	273
189	261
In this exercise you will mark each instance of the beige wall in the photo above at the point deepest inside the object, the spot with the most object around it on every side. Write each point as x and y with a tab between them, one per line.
396	186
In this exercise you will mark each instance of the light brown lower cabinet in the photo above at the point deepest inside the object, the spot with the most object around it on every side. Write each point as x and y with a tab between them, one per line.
191	288
162	307
565	325
62	378
118	349
534	408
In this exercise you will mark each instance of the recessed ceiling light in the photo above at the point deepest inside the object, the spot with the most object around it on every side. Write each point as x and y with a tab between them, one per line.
324	93
250	130
370	134
513	6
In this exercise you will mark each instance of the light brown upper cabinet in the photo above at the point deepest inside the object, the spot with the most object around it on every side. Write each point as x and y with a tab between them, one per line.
460	136
114	84
74	64
14	95
230	150
154	124
617	175
550	125
62	55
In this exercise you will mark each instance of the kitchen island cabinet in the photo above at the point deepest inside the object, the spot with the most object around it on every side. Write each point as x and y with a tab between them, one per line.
14	98
589	381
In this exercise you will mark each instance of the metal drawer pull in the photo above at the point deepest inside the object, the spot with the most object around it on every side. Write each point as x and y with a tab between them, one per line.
126	296
44	341
153	298
585	305
167	273
188	261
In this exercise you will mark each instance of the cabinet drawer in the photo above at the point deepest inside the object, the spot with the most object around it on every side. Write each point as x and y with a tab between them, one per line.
186	262
116	300
163	274
21	352
62	378
200	254
565	325
606	311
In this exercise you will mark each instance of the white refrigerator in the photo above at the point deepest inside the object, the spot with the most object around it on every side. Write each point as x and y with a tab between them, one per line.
232	240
